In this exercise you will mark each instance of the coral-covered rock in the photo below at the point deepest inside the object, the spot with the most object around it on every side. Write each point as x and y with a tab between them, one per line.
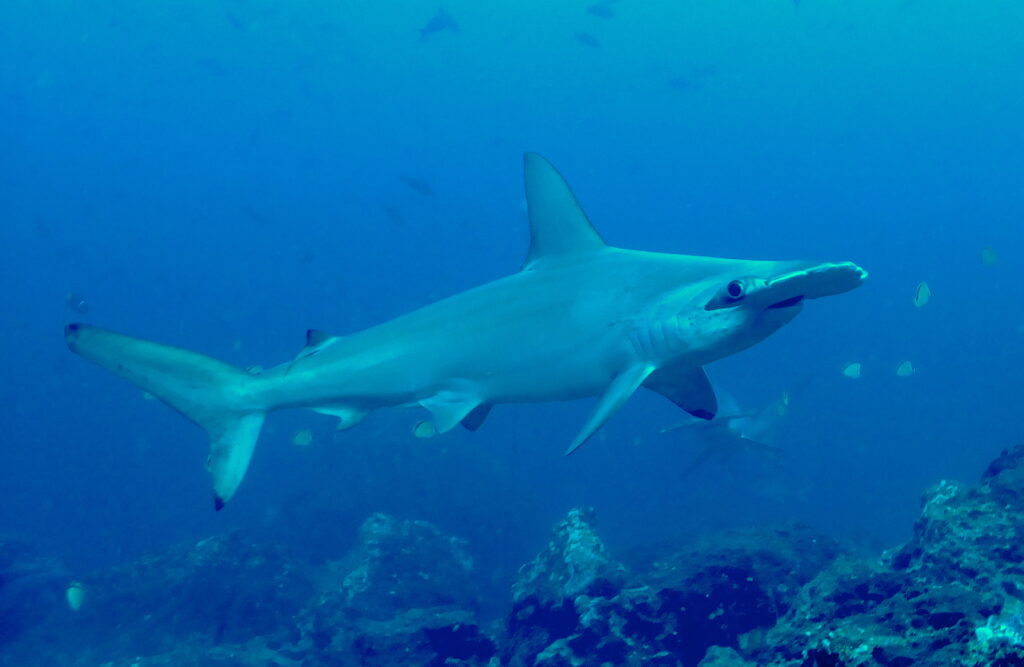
398	565
575	605
732	586
432	637
864	613
31	585
720	656
562	594
254	653
952	595
575	563
221	590
404	595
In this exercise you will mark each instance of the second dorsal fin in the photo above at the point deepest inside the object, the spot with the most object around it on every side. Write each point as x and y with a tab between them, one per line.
558	225
316	340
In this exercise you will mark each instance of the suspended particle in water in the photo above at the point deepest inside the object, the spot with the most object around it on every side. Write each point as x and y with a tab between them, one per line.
76	302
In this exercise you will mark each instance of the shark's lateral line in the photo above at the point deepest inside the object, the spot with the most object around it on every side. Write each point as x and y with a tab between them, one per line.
579	319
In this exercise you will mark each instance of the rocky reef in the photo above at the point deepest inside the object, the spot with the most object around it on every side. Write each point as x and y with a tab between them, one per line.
952	595
407	594
404	595
30	584
222	590
574	605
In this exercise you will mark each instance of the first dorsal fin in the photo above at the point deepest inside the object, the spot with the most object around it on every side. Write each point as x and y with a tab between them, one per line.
315	337
558	225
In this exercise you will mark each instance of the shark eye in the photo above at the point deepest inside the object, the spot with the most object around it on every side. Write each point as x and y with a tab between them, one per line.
727	297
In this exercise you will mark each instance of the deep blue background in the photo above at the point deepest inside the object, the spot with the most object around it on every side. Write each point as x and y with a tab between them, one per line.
223	176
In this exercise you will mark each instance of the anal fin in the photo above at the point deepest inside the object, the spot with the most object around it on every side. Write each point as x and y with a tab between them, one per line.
347	416
617	393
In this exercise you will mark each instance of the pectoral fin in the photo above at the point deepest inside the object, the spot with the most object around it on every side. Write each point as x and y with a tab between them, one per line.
449	408
621	388
689	388
476	417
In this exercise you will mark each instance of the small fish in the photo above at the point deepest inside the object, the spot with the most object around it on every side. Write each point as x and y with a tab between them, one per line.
417	185
694	79
601	10
988	256
254	370
146	396
76	302
682	83
424	429
442	20
922	294
393	214
852	370
782	405
905	369
586	39
75	595
303	438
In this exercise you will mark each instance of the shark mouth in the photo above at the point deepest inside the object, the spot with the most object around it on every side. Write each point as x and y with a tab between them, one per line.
788	303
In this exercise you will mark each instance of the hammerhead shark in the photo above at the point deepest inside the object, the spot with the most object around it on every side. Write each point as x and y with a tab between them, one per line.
732	432
579	319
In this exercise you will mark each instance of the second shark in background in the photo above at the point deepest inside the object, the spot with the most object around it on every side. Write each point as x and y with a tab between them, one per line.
734	433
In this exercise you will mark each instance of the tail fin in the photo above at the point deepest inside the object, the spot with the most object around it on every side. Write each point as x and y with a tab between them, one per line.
209	392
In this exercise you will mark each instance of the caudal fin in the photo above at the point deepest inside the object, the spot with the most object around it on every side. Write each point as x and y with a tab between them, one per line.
211	393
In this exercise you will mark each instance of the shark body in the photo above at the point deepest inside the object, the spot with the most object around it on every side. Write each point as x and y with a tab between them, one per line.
579	319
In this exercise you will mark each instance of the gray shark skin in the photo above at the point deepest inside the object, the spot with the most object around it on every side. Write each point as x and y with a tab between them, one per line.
579	319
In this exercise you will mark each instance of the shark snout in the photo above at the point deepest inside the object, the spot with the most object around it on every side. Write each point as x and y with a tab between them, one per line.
813	281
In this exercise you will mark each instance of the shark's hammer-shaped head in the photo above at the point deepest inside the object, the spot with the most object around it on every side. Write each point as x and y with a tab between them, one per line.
740	303
694	310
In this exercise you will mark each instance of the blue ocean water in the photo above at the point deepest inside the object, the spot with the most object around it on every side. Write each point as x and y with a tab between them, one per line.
224	176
